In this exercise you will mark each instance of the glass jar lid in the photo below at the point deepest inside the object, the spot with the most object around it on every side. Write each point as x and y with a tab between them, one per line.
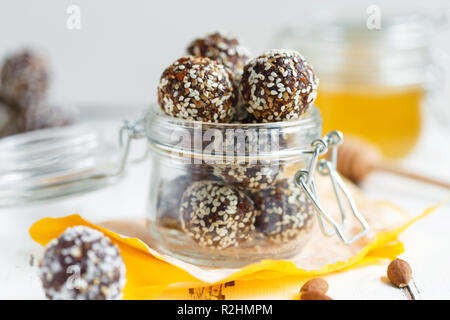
55	162
195	139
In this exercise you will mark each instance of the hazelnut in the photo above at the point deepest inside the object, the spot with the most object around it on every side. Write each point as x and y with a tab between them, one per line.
314	295
399	273
316	284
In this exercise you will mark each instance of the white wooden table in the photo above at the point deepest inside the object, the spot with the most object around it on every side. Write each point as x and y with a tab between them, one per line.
427	242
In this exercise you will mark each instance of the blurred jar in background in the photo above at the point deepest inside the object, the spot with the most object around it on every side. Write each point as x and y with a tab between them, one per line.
372	82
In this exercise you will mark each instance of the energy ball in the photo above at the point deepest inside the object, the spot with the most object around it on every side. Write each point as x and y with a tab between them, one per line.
284	212
249	172
168	202
171	191
241	115
216	215
224	49
8	120
197	88
82	264
24	79
277	86
44	115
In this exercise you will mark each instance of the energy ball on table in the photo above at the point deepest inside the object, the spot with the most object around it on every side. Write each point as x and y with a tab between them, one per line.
8	120
24	79
197	88
82	264
224	49
44	115
279	85
216	215
284	211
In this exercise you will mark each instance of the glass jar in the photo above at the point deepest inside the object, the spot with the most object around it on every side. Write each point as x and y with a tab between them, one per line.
225	194
372	80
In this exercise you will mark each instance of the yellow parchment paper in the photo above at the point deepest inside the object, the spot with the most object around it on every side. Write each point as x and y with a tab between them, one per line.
151	274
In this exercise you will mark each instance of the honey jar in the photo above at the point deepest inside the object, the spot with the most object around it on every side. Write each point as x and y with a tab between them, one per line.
373	81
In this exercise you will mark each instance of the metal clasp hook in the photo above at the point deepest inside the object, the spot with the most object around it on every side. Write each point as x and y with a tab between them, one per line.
305	179
132	131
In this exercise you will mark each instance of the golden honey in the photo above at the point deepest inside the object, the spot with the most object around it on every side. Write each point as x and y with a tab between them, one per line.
389	117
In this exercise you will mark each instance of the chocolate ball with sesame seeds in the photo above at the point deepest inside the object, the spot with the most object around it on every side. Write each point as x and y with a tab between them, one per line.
44	115
278	85
171	191
215	215
8	120
249	172
82	264
284	212
224	49
24	79
197	88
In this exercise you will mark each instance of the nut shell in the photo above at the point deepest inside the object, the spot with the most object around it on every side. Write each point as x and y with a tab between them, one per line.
197	88
278	85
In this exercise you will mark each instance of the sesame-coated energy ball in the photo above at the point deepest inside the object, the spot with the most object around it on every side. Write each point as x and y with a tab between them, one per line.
249	172
24	79
279	85
197	88
224	49
44	115
8	120
82	264
171	191
216	215
284	212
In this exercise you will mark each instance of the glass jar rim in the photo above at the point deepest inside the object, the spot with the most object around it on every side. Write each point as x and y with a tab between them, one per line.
159	127
308	118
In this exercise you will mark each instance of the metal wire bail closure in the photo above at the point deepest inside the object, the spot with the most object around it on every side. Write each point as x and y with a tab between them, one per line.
131	131
305	180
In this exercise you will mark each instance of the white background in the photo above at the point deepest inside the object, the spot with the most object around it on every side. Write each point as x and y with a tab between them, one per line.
123	46
115	60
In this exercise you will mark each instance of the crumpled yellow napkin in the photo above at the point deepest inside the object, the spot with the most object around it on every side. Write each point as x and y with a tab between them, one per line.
149	273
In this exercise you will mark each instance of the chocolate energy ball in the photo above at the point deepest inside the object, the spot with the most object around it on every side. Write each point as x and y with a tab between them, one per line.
224	49
44	115
168	203
197	88
241	115
8	120
24	79
82	264
250	173
279	85
284	212
216	215
170	193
